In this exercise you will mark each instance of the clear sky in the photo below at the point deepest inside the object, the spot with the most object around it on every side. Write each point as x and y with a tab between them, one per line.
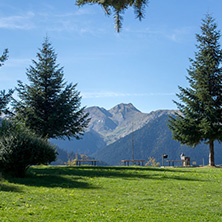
143	64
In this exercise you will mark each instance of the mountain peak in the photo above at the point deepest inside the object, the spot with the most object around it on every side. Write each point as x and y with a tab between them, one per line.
123	107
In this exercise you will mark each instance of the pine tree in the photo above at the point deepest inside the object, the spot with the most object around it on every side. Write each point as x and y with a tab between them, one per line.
48	105
118	7
200	116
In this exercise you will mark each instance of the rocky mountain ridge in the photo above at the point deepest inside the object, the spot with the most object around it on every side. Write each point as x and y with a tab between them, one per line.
119	121
107	126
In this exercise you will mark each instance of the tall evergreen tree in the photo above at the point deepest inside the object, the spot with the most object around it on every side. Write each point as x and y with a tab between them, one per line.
200	116
118	7
48	105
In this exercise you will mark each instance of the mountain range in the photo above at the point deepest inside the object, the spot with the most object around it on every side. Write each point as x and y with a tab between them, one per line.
119	121
107	126
111	134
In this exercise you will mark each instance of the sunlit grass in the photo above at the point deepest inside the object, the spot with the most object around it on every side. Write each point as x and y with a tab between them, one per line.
113	194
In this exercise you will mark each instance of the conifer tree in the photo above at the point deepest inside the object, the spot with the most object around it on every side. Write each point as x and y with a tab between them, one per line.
200	116
48	105
118	7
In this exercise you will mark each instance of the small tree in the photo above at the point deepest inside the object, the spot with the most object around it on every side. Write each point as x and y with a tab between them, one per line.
200	116
48	105
118	7
20	148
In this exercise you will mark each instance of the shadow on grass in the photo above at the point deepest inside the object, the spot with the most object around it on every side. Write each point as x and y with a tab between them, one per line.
10	188
52	180
114	172
78	176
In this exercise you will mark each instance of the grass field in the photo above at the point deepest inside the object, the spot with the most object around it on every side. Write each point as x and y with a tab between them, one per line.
60	193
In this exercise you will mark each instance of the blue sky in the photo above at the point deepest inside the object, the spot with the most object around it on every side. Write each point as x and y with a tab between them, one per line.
143	64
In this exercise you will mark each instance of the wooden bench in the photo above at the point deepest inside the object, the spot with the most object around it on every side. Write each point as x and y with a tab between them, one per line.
93	162
127	162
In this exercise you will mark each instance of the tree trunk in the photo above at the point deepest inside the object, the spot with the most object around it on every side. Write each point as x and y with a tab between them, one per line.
211	154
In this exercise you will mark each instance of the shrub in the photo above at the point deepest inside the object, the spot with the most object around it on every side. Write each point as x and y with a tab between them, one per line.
71	162
152	162
20	148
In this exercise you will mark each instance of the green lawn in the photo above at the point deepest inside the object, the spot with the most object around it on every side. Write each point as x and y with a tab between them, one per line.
55	193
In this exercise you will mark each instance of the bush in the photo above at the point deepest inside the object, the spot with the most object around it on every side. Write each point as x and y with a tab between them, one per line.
152	162
20	148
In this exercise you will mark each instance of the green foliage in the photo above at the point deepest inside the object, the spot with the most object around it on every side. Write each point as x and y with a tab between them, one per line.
118	7
48	105
152	162
200	114
4	97
71	162
104	194
19	149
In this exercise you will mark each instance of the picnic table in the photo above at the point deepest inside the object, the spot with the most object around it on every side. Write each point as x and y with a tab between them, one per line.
127	162
93	162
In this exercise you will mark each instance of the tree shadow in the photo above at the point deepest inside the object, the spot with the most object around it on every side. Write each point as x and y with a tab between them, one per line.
77	176
52	181
10	188
114	172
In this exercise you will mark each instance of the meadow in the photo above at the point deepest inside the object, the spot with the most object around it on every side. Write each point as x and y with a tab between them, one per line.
85	193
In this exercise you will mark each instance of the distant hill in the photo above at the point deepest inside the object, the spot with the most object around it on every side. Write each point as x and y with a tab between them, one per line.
89	144
62	157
